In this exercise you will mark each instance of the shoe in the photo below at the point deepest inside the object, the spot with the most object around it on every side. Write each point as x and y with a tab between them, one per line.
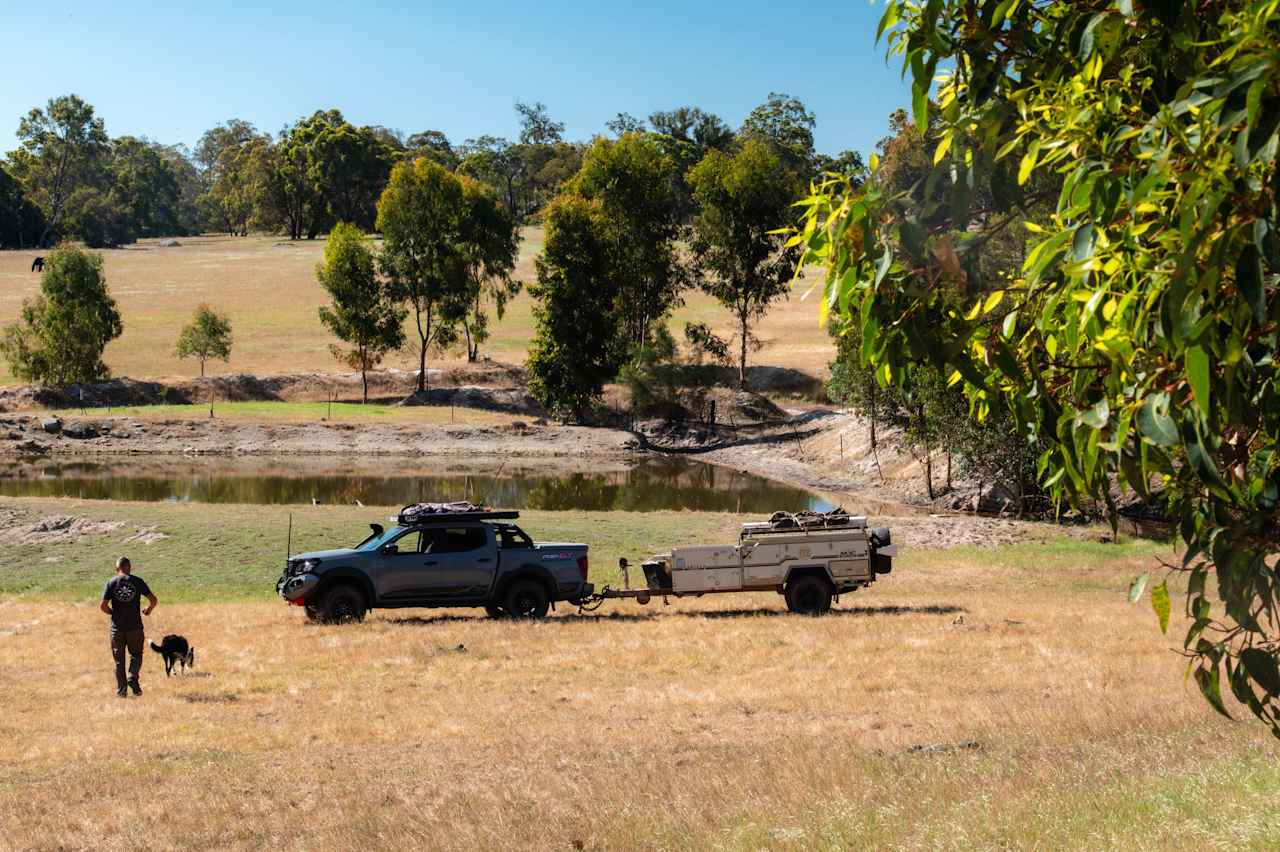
137	690
122	693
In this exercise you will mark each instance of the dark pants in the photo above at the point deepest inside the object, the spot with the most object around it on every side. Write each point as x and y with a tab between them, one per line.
132	640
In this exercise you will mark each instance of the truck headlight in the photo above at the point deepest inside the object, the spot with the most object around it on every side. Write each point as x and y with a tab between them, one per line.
310	564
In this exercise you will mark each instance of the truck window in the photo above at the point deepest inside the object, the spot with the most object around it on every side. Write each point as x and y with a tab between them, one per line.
409	543
458	539
512	538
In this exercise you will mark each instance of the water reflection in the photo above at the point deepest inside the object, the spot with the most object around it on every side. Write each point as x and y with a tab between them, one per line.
659	483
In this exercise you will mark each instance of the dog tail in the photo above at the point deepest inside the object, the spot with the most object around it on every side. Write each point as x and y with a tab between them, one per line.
157	648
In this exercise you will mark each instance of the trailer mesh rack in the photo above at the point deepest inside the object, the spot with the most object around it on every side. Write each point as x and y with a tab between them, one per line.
789	522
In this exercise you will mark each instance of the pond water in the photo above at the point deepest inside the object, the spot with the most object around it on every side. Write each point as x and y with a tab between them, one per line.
658	483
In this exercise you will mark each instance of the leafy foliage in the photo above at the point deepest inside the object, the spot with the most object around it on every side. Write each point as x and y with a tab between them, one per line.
62	332
705	343
207	336
624	123
787	124
1136	343
363	313
21	223
325	170
651	377
434	145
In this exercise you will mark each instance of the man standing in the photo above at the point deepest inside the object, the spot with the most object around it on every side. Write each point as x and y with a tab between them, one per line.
120	600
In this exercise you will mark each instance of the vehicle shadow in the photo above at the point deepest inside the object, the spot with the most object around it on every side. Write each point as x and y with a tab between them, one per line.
708	615
836	612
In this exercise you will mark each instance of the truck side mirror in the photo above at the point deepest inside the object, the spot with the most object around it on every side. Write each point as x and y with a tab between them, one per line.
390	549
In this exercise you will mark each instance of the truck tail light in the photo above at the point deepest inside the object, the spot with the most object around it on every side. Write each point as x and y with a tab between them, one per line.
582	567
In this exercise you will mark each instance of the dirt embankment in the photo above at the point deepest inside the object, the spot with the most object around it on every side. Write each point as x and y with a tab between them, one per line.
32	435
488	385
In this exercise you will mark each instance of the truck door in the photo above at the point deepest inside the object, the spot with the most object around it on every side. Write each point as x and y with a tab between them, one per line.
401	575
463	559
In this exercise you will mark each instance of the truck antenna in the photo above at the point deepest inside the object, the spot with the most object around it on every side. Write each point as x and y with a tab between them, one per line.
288	545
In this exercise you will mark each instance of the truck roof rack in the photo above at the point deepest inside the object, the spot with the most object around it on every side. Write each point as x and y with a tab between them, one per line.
416	514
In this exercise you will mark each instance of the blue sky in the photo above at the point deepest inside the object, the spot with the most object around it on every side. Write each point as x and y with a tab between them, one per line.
171	70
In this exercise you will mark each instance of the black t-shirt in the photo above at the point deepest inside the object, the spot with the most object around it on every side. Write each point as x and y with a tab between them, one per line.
125	591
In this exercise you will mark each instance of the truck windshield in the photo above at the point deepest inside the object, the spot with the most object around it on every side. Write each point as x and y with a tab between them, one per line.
373	542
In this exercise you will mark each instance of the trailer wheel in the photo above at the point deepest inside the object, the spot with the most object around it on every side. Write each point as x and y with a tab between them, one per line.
495	611
809	595
340	604
526	599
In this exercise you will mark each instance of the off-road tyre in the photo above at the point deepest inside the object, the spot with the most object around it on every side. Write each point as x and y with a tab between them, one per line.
525	598
312	611
809	595
494	611
340	604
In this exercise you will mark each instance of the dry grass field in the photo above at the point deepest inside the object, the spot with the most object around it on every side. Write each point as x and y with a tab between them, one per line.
973	699
267	286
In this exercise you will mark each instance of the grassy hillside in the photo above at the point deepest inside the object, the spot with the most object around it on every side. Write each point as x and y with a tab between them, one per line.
267	286
973	698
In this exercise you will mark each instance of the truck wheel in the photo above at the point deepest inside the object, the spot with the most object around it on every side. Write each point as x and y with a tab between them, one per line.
341	604
809	595
526	599
313	614
495	611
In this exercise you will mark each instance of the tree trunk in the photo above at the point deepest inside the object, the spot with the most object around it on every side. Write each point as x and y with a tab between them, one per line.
928	457
473	350
202	368
364	380
948	472
58	195
422	347
426	385
742	360
873	415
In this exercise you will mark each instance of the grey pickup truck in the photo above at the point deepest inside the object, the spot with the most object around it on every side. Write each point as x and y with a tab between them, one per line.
438	555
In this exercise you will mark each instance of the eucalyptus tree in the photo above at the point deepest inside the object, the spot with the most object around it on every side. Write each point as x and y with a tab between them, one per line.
420	216
1136	345
63	149
363	312
745	200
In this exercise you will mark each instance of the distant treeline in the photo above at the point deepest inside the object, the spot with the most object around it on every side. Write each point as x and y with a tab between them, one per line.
68	179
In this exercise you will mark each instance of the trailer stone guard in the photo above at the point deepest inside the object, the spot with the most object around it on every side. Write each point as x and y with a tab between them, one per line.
810	558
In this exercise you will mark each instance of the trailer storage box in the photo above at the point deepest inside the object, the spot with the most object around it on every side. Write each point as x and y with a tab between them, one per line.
700	569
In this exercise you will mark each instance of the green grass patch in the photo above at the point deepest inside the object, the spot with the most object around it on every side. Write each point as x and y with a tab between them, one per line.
285	412
235	552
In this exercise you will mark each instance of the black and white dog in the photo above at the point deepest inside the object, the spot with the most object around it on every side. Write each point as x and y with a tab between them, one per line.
176	651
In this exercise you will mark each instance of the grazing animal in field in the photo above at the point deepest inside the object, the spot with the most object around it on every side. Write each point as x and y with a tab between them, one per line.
315	502
37	265
176	651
